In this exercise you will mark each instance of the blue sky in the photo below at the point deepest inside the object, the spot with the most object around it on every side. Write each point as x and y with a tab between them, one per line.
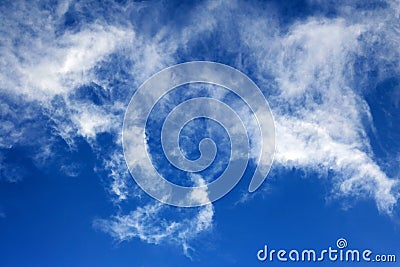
68	69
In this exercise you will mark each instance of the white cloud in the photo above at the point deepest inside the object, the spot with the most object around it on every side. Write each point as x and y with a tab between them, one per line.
157	223
150	225
91	120
71	170
199	195
122	187
46	65
306	71
319	117
313	57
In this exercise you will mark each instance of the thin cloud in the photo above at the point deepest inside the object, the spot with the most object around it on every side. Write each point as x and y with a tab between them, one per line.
49	68
150	224
306	69
320	114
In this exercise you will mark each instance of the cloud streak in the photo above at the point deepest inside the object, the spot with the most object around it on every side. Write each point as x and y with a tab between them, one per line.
77	75
150	223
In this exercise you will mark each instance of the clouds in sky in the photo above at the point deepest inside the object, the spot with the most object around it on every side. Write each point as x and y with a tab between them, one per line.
315	72
153	224
325	129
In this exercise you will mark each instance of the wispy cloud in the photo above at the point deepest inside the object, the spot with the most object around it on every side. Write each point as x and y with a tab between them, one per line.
47	68
320	113
315	72
151	224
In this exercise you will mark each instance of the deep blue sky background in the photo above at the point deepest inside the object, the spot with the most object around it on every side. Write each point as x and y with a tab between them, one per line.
64	183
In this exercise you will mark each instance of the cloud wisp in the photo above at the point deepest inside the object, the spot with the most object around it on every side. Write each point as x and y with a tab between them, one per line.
71	78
